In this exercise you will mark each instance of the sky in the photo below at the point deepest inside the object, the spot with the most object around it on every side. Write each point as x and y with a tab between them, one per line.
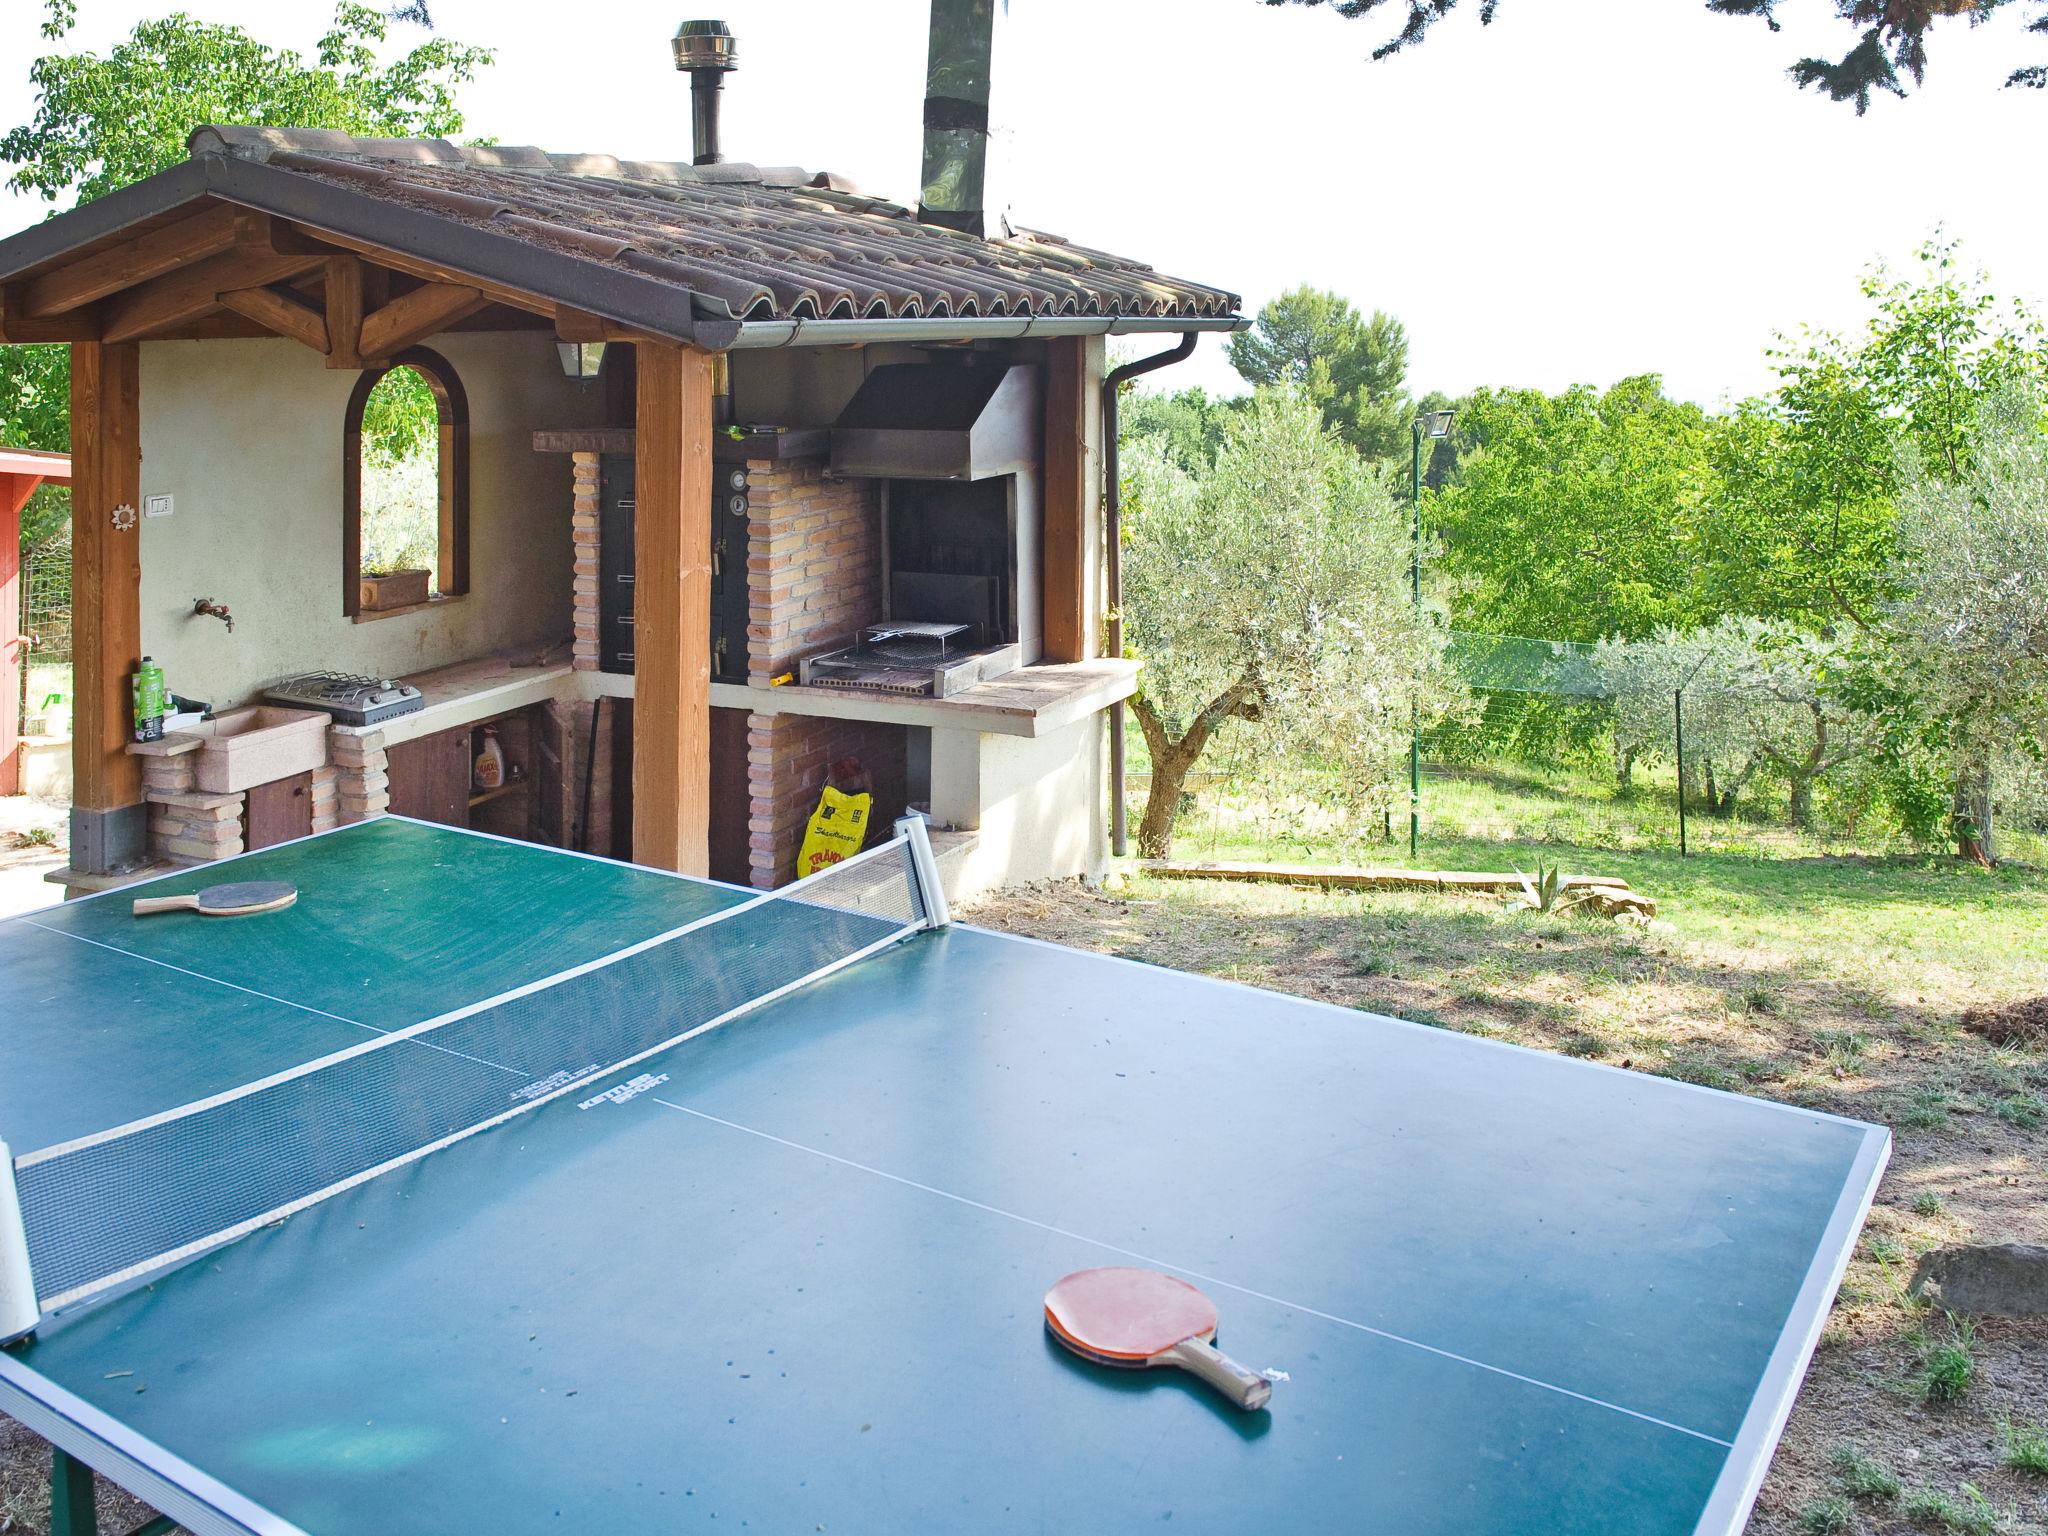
1585	190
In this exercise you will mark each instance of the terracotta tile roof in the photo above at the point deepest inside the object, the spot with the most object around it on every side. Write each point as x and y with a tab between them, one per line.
748	243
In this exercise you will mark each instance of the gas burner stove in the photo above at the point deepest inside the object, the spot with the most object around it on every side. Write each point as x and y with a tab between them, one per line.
908	657
352	700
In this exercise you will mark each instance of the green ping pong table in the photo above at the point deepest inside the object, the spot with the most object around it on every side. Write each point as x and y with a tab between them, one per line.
491	1187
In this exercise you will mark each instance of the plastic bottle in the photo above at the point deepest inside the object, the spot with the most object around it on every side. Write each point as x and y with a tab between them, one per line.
490	762
149	701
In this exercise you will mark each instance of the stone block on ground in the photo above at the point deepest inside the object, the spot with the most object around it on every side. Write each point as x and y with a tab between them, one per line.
2000	1279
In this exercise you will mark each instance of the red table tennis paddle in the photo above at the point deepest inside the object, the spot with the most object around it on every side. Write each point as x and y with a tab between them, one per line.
1134	1318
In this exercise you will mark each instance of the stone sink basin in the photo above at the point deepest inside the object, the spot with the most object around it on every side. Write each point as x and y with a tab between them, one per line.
242	747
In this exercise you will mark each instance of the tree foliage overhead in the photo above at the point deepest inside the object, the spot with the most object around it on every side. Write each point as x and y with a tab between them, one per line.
1891	38
103	122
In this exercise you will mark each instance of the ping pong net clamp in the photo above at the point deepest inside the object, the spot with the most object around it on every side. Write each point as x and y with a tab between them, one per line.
857	905
925	871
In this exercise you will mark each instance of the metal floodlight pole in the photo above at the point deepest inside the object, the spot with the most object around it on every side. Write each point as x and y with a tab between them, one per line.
1678	730
1415	589
1436	424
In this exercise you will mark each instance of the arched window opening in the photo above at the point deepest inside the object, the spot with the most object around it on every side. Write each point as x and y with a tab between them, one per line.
405	488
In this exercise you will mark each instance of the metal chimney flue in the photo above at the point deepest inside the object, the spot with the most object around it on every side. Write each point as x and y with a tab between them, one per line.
707	51
956	132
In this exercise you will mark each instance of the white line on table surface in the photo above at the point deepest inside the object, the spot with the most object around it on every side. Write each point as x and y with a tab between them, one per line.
1206	1279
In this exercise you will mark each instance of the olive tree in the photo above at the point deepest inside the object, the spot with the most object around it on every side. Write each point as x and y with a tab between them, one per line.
1972	623
1757	696
1273	589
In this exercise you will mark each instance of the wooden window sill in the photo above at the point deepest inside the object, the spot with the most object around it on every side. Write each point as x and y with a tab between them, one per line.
436	601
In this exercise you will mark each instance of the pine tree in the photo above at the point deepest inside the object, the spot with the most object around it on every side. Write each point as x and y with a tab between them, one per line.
1892	40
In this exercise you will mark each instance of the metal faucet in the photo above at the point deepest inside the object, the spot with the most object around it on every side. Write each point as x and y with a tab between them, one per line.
206	605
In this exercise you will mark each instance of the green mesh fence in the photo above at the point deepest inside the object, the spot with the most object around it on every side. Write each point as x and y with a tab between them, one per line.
1569	754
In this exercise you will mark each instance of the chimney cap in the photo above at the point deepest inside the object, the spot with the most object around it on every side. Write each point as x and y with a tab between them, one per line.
705	45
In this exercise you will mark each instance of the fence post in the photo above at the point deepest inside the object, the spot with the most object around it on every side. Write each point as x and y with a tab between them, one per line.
1678	727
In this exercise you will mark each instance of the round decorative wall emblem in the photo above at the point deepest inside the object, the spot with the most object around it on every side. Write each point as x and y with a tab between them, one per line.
124	518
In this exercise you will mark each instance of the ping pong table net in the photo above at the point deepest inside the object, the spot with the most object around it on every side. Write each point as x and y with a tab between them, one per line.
122	1203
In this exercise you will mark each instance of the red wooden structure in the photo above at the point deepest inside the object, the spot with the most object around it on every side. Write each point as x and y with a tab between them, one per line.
21	471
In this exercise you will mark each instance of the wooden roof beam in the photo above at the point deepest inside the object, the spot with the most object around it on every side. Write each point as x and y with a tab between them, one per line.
15	326
434	272
210	232
577	325
413	317
192	291
283	312
207	233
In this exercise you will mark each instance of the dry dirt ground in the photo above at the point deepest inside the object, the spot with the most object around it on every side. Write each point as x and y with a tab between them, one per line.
1876	1041
32	843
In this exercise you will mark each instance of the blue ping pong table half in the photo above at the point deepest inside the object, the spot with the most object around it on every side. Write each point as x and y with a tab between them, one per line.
787	1275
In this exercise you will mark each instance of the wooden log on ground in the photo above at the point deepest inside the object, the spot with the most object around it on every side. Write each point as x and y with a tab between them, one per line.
1346	878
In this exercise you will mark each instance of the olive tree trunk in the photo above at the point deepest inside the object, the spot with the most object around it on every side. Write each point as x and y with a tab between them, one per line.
1971	816
1174	758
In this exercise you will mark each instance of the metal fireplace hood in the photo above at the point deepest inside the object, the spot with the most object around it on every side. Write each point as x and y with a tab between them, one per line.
942	421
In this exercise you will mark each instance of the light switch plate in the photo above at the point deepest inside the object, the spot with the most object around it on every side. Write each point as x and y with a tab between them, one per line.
156	506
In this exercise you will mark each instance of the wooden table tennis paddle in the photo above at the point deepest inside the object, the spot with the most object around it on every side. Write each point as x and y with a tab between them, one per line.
1134	1318
238	900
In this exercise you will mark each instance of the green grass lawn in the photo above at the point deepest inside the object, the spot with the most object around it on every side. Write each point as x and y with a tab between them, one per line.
1527	810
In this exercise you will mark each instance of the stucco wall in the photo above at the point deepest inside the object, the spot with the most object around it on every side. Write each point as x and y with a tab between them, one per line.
246	436
1036	803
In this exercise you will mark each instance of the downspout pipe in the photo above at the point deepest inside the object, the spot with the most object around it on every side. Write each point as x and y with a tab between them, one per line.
1112	508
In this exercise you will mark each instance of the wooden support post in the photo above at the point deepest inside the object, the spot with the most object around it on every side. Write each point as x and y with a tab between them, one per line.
345	302
15	491
106	582
672	611
1071	603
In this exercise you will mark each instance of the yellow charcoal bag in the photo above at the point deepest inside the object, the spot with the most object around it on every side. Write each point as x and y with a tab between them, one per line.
837	829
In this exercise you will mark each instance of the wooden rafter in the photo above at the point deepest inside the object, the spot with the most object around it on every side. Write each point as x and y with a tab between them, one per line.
434	272
18	327
281	311
578	325
192	291
413	317
264	234
204	234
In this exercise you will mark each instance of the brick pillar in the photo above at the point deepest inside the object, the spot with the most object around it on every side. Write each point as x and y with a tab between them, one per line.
327	798
361	785
787	760
584	468
186	824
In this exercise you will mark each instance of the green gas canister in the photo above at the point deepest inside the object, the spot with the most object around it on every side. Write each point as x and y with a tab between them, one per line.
149	701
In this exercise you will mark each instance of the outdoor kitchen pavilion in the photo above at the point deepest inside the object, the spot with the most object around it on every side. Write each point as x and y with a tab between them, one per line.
725	281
